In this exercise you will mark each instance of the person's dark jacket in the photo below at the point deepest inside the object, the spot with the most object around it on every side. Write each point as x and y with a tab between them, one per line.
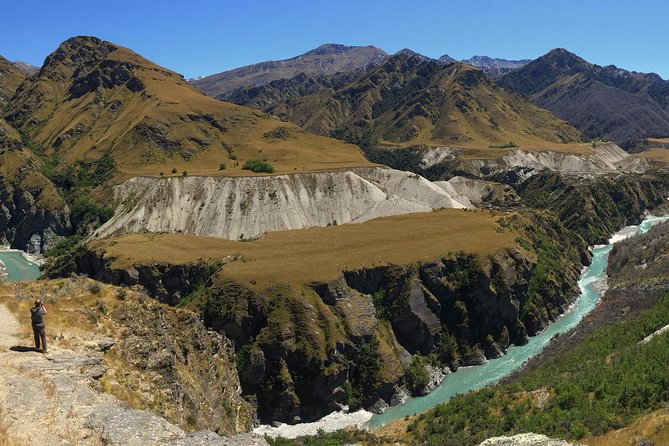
37	316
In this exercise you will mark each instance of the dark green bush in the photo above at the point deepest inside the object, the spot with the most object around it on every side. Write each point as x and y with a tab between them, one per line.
417	376
258	166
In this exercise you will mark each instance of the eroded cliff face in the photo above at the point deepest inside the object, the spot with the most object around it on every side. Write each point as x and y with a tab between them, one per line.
245	207
27	226
595	208
305	350
605	159
511	166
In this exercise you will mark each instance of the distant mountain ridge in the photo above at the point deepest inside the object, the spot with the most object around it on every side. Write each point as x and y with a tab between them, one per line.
409	99
26	68
496	67
327	59
603	102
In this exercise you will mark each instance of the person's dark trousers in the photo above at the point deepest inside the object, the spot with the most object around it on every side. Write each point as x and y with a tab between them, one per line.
40	334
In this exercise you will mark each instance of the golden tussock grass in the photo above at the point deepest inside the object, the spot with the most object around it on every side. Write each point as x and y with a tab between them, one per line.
321	253
6	438
660	140
655	154
654	427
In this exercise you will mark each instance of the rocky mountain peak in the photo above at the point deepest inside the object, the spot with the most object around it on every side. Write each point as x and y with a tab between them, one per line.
564	60
86	62
76	53
575	90
446	59
338	49
408	53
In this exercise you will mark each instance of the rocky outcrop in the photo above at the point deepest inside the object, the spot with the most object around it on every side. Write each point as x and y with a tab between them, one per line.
173	366
525	440
28	227
245	207
169	284
479	192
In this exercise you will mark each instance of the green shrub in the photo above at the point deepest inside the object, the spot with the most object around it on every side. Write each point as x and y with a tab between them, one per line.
258	166
174	170
417	376
83	210
510	145
221	166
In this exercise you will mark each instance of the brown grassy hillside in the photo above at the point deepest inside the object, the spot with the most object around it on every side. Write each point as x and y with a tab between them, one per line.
20	166
94	97
10	78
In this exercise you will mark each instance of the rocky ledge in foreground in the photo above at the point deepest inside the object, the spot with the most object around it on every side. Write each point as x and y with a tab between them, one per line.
122	370
529	439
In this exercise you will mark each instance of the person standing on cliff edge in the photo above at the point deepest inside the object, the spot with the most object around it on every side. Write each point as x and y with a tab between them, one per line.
39	328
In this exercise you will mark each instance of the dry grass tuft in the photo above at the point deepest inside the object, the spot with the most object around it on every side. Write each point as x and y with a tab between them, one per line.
6	438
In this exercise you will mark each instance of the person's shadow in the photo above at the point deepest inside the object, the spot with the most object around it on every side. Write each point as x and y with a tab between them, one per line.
22	349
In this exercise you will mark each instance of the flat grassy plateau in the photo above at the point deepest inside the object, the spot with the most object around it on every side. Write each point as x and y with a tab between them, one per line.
319	254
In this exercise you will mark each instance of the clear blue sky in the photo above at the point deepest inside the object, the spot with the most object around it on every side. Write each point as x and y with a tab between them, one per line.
198	37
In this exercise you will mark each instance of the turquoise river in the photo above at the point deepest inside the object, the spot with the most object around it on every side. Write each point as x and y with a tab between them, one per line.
17	267
472	378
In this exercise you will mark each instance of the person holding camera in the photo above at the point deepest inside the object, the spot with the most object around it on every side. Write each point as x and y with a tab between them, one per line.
37	314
